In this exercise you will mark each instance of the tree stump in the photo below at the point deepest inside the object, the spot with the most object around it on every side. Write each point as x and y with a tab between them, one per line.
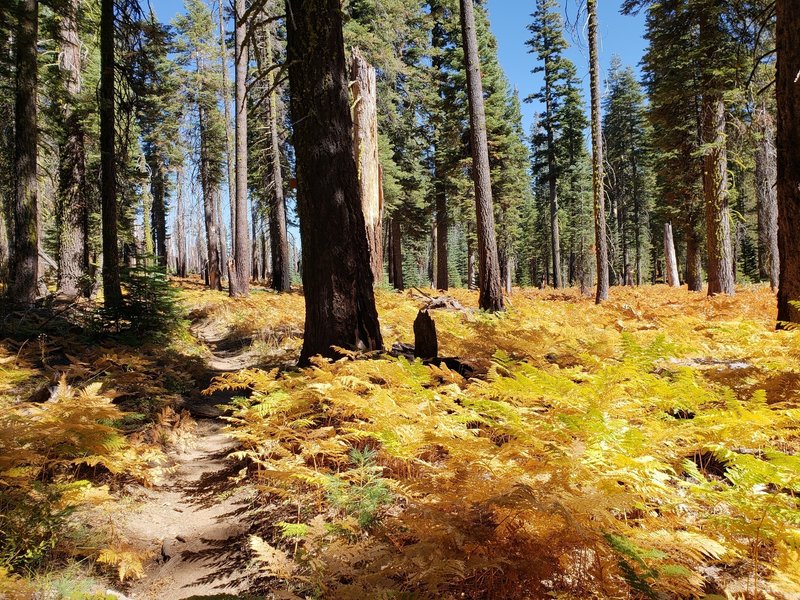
426	346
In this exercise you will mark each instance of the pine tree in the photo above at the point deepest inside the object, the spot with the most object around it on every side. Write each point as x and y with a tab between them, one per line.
240	271
112	291
197	46
547	43
788	98
72	206
337	279
25	257
491	294
627	160
672	79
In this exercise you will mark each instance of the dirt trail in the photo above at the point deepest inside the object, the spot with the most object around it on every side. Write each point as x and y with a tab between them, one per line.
194	521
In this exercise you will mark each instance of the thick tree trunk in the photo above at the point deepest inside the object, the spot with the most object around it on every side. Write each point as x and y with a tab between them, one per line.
767	199
25	256
715	191
72	204
601	244
279	242
337	277
108	159
365	142
788	94
671	272
239	276
491	291
397	254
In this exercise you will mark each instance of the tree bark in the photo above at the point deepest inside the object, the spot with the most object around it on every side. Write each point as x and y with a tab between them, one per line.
365	142
766	175
601	243
715	190
788	95
239	275
491	291
337	277
25	255
671	276
108	159
72	204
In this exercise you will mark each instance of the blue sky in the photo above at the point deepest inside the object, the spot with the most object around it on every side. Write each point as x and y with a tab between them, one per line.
621	35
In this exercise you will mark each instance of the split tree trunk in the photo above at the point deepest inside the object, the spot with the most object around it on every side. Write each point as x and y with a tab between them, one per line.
601	243
767	199
159	211
788	94
108	159
337	275
491	291
365	142
671	276
72	204
239	274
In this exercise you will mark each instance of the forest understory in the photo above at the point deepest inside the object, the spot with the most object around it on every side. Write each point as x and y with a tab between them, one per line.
643	448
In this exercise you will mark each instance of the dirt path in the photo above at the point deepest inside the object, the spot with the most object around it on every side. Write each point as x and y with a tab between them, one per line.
194	521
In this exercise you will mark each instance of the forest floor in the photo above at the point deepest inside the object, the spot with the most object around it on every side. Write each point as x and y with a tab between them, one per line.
646	448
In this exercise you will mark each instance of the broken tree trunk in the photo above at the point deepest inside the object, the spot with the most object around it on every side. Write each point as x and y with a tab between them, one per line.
671	271
426	346
365	138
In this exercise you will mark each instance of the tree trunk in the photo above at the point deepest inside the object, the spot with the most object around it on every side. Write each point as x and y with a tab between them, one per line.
180	229
441	280
397	254
491	291
715	191
229	157
788	94
279	243
365	142
555	236
337	276
159	212
25	255
72	204
694	266
239	275
108	159
597	159
671	272
210	205
767	199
